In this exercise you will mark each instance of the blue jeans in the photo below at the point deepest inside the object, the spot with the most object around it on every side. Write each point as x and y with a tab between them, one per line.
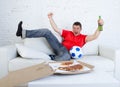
60	51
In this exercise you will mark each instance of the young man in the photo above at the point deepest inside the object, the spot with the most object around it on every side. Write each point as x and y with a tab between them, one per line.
70	38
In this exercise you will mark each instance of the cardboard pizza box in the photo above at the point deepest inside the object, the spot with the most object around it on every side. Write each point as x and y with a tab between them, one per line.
4	82
31	73
25	75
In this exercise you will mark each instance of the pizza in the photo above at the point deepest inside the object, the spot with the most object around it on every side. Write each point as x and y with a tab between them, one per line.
71	67
67	63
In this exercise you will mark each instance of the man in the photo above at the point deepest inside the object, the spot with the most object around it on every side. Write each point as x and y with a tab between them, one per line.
70	38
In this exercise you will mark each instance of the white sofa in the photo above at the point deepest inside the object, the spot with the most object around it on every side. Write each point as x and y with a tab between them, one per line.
105	59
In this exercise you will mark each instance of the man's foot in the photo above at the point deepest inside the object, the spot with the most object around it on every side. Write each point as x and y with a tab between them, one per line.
52	57
19	30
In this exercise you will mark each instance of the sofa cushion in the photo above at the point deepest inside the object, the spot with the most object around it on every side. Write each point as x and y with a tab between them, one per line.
39	44
90	48
20	63
100	63
42	45
27	52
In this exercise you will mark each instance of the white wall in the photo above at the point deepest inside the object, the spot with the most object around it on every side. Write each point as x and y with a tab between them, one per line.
34	15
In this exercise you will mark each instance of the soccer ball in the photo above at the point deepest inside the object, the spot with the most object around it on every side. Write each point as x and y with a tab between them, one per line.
76	52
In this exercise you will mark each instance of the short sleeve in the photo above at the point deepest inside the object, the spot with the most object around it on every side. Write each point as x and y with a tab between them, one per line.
84	38
64	32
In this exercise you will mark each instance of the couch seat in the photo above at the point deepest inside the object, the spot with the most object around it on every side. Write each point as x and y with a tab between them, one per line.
100	63
20	63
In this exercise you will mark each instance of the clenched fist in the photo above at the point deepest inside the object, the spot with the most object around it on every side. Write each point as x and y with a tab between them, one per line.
100	22
50	15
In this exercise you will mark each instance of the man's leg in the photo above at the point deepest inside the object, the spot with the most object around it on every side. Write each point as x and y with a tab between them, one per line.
52	40
65	56
58	48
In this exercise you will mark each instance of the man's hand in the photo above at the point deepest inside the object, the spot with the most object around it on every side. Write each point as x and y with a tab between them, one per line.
100	22
53	24
50	15
96	33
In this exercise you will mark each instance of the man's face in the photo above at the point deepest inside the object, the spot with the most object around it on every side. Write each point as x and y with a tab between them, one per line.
76	30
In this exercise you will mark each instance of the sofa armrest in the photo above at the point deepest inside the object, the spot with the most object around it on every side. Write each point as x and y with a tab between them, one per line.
117	65
114	54
6	53
107	51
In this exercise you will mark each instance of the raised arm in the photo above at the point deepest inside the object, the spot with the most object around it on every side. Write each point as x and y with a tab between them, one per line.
96	33
53	24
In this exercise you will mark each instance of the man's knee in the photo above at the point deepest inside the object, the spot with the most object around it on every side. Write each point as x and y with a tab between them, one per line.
46	30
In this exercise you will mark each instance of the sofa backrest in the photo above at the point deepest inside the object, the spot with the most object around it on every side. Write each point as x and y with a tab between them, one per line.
41	44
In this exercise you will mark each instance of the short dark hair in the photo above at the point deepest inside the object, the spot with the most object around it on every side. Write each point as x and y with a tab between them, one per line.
78	24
